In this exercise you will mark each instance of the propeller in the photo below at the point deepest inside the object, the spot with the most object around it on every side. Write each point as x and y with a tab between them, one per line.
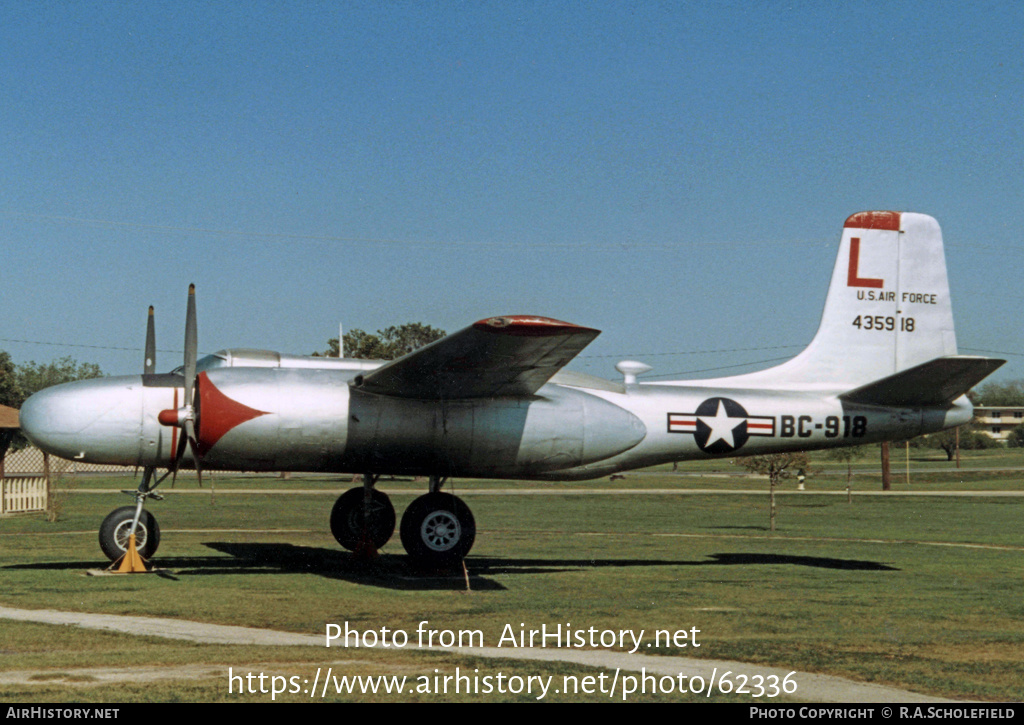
149	365
185	416
146	487
148	368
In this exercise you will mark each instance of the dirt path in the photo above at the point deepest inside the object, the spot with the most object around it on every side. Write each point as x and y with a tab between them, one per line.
812	687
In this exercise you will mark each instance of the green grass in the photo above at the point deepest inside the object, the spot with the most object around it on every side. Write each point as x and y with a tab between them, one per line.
923	593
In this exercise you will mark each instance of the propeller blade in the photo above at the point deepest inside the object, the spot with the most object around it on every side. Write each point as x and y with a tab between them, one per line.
191	344
178	455
150	362
185	417
190	433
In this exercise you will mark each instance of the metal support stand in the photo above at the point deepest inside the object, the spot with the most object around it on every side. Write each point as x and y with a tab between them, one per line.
367	550
131	562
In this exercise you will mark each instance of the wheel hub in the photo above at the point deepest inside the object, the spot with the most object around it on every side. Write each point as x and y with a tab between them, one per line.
123	531
441	531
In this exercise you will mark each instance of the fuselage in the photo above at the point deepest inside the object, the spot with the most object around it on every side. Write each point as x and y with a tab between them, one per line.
313	419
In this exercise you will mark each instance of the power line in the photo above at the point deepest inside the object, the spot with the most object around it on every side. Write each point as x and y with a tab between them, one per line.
338	239
70	344
994	352
89	347
334	239
690	352
723	367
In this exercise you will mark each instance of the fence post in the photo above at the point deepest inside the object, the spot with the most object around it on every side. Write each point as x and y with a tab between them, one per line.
46	475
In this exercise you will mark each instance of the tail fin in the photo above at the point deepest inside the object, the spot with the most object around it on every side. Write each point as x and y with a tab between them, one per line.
887	310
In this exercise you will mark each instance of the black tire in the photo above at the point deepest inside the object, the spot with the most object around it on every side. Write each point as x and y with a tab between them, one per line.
438	529
115	528
347	518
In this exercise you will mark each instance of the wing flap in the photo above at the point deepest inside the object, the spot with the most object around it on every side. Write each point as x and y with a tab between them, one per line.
936	382
512	355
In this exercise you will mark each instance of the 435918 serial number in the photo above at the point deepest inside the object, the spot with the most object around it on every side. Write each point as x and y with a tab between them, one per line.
884	324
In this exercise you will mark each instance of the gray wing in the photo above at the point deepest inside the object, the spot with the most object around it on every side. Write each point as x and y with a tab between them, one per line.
498	356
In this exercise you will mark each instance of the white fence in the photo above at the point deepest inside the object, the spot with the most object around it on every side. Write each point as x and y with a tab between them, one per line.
24	494
31	461
25	483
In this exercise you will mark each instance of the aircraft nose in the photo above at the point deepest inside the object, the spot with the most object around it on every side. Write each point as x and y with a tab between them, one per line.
99	421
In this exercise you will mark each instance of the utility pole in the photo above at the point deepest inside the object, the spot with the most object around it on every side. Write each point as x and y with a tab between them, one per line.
886	483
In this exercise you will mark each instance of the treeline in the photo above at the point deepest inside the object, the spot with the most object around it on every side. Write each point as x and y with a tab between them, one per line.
17	382
1008	393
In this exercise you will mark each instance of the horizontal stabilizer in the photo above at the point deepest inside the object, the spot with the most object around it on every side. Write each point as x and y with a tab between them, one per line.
498	356
937	382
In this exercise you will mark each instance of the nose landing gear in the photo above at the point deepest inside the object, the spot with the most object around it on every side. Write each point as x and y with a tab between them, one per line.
129	535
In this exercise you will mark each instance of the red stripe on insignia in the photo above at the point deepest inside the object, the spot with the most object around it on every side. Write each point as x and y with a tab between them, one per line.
761	427
680	423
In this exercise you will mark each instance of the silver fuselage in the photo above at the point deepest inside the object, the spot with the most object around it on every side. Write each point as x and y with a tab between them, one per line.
305	414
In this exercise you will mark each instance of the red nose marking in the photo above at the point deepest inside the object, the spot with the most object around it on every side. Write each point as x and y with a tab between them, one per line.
218	414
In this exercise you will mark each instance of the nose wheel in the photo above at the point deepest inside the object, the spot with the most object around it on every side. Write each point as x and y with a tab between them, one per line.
116	529
130	535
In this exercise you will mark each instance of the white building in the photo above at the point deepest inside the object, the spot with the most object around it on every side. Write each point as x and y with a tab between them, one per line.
996	421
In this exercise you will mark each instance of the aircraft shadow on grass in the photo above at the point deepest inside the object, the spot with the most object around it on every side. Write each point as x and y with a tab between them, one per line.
391	571
395	572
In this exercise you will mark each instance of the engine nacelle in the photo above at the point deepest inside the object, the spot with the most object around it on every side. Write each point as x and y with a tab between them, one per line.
311	420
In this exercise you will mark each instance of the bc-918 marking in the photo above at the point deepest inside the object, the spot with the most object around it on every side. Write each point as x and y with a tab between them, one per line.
803	426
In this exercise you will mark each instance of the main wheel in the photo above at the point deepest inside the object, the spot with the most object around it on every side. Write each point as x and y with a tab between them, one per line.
438	529
347	518
117	526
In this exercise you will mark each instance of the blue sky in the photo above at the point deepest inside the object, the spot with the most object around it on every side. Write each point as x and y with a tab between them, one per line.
674	174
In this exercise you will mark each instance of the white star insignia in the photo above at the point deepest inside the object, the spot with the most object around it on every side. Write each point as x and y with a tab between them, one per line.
721	426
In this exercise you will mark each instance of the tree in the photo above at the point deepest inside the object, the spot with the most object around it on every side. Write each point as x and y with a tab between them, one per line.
1009	393
969	439
1016	438
776	466
846	455
19	382
11	394
33	376
387	344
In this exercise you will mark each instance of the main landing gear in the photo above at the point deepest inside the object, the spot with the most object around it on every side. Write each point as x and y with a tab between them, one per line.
437	528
